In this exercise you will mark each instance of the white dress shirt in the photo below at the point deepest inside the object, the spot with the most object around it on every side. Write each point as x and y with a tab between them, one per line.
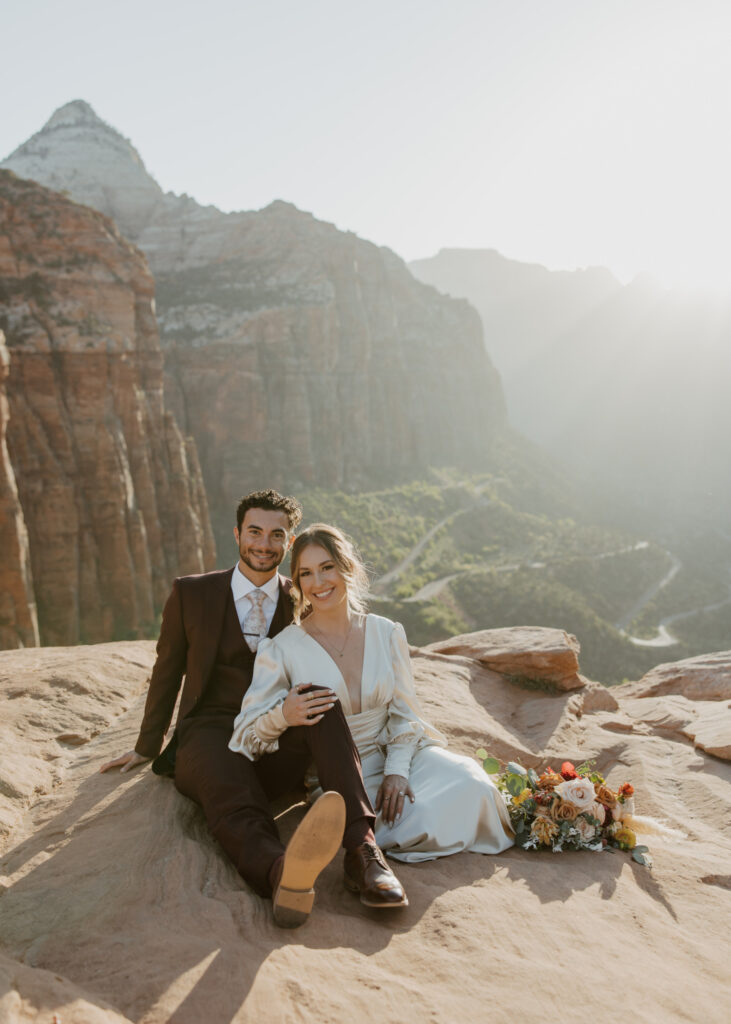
241	587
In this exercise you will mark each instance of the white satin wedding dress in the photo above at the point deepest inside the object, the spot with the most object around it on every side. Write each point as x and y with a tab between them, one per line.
457	807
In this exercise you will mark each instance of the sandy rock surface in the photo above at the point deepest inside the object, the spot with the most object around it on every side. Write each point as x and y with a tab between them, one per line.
117	905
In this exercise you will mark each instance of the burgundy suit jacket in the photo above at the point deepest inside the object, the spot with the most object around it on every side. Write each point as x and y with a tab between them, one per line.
192	622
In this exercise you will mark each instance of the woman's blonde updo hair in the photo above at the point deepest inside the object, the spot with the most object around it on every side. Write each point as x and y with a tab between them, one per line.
344	555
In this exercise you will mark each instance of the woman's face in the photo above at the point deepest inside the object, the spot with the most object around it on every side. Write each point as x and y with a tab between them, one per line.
321	582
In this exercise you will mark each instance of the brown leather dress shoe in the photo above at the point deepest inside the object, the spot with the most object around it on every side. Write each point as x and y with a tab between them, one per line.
315	842
367	872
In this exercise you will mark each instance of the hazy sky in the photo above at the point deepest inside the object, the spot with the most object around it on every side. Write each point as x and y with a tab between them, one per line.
567	132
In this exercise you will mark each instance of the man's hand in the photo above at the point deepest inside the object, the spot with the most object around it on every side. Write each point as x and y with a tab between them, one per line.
126	762
390	797
305	706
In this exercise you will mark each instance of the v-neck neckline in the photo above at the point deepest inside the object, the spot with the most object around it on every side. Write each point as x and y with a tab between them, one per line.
321	647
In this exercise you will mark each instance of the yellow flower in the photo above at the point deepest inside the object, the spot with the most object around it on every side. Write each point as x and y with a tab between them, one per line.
544	830
625	838
525	795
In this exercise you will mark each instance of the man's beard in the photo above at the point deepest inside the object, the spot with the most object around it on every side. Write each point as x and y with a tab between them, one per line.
265	565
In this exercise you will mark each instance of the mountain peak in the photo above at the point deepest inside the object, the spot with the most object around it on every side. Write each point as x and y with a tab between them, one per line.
74	113
77	152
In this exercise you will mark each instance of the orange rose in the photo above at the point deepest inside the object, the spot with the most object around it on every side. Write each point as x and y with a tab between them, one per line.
605	795
549	780
562	810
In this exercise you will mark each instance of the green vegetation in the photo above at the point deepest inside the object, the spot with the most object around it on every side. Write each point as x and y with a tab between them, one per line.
528	598
386	525
500	551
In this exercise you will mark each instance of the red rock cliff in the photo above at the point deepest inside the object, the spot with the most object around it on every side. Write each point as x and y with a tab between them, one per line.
18	620
110	490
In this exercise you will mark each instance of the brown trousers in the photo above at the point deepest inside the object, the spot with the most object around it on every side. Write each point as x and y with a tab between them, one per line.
234	792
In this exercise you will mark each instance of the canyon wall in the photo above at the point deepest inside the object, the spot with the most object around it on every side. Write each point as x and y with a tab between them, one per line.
296	354
305	356
111	491
18	619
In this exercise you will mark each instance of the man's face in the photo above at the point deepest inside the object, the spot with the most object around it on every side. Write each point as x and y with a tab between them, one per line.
263	541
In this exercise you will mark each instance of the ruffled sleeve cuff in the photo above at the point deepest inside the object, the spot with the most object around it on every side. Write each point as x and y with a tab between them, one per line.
262	736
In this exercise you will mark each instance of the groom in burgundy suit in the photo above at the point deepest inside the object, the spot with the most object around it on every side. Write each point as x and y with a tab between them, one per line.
210	629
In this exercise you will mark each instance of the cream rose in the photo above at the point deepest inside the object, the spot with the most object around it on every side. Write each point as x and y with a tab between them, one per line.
598	811
621	812
579	792
586	830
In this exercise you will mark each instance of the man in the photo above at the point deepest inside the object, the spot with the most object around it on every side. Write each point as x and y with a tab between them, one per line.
211	627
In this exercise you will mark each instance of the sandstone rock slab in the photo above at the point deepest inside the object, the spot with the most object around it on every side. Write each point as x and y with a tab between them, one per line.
706	677
711	730
528	653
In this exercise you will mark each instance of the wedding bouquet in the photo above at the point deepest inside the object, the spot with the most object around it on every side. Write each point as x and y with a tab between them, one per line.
573	809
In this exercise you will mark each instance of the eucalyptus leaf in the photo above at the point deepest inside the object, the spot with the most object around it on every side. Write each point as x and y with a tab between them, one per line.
491	765
516	784
646	862
481	753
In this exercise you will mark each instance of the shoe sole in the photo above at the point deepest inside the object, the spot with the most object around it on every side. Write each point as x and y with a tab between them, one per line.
315	842
352	886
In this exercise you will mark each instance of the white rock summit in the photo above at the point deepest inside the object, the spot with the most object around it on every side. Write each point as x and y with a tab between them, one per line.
93	163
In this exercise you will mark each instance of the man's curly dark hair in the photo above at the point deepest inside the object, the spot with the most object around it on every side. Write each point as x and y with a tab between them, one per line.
272	501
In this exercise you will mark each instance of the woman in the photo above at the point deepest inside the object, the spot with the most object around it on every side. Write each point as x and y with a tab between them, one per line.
430	802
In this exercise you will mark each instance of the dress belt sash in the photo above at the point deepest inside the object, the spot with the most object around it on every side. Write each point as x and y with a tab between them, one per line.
365	728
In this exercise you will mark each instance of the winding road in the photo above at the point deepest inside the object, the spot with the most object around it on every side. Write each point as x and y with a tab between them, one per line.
383	583
431	590
663	637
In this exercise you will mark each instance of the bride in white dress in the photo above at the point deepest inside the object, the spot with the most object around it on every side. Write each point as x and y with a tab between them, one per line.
429	802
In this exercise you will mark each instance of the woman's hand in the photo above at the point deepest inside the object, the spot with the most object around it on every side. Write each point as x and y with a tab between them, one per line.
127	761
304	705
390	797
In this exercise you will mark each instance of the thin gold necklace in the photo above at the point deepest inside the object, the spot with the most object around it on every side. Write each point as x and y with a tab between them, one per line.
340	651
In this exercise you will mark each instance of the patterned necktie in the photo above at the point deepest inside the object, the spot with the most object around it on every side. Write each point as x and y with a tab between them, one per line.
255	623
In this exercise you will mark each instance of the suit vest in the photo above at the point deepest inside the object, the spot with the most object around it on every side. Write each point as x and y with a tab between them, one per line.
230	676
